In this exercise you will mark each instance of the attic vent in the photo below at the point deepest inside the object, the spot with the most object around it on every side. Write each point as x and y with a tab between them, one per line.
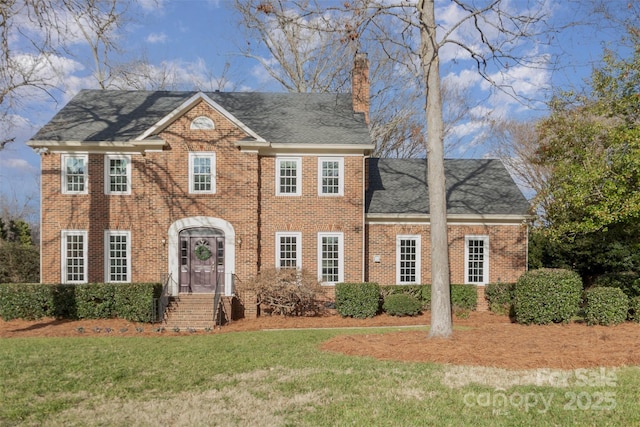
202	123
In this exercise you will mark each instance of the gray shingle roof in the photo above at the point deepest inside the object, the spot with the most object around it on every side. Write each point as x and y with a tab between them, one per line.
398	186
99	115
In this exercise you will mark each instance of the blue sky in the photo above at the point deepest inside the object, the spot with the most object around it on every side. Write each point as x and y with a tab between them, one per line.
196	38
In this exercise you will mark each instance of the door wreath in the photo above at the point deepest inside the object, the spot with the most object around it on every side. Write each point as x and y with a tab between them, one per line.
202	250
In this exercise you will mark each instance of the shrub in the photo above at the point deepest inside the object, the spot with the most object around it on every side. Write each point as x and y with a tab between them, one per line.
26	301
135	301
95	300
605	306
634	309
500	297
547	295
415	291
464	297
287	292
628	282
359	300
402	305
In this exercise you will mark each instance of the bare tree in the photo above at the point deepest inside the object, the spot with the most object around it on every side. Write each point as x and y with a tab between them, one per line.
408	39
37	39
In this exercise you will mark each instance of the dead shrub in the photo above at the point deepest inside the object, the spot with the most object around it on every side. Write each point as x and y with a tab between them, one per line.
287	292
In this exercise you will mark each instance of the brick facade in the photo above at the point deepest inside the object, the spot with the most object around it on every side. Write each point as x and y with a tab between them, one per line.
245	201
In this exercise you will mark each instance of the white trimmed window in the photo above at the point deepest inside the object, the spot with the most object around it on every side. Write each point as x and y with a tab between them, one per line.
330	258
408	249
331	176
74	256
117	174
289	250
202	173
288	176
74	174
117	254
476	255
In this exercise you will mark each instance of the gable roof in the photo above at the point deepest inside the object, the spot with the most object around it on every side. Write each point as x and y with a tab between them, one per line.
289	118
474	187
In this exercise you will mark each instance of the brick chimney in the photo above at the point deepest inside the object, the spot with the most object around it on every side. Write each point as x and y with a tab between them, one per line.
360	85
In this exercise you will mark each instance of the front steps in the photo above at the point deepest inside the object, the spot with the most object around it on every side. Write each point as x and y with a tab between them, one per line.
193	311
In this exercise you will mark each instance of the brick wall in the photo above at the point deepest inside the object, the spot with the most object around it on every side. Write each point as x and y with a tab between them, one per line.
507	251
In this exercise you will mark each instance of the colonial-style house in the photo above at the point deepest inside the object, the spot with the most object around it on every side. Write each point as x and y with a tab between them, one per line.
207	189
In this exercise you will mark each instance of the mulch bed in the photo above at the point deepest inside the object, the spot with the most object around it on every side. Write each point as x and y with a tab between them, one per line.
484	339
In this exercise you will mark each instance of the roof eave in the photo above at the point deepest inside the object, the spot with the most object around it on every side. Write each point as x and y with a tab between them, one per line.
381	218
150	144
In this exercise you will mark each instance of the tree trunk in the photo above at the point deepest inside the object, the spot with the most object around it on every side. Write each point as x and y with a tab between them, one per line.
441	324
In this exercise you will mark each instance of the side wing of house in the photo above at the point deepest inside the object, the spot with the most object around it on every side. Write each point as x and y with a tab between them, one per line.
486	215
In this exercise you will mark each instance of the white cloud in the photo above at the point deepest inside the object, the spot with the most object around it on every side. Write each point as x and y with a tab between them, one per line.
156	38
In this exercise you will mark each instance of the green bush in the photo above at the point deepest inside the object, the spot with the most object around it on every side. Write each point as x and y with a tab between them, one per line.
29	301
500	297
135	301
547	295
464	297
95	300
90	301
605	306
634	309
415	291
359	300
628	282
402	305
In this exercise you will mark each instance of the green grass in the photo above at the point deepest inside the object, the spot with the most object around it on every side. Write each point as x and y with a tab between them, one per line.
281	378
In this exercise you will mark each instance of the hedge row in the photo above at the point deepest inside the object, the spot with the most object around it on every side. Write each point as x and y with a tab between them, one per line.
549	295
363	300
130	301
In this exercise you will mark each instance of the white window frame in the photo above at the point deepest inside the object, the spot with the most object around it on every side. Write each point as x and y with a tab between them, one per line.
340	161
107	255
107	175
298	176
340	236
418	261
194	155
298	237
65	177
485	260
64	236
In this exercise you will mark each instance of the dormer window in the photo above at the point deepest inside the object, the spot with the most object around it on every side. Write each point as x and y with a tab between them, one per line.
202	123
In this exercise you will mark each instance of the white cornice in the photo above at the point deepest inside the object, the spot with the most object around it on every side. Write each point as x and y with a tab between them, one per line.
276	148
98	146
452	219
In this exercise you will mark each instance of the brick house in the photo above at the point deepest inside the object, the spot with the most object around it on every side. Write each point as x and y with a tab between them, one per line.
207	189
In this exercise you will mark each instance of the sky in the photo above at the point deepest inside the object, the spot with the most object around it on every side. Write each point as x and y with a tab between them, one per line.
196	38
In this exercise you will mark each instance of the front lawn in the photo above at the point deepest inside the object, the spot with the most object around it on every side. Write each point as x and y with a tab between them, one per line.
279	378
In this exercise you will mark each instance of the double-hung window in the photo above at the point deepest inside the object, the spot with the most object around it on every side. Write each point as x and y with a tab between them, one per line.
202	173
288	176
75	173
117	250
476	260
74	252
331	176
117	174
330	258
289	250
408	249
